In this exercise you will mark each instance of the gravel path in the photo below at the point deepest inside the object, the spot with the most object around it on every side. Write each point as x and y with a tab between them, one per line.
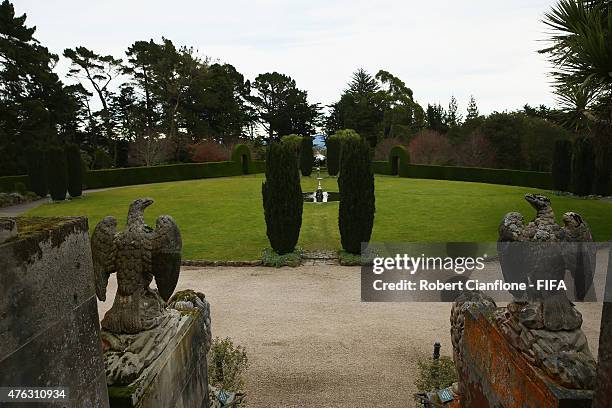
312	343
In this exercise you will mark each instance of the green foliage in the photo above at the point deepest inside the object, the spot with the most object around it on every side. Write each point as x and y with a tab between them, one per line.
399	159
160	174
349	259
293	141
37	172
102	160
356	185
435	374
75	170
7	184
227	364
562	165
281	107
482	175
306	156
57	173
20	188
583	167
333	155
271	258
282	198
381	167
242	154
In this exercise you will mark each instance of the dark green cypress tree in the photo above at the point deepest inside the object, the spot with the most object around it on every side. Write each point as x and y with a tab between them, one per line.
57	173
357	201
562	165
282	198
75	170
306	156
333	155
583	167
37	172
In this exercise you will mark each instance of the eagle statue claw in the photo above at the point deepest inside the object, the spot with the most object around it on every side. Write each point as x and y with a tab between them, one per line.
137	255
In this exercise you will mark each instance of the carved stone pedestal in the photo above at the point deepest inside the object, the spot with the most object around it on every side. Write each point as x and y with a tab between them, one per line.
169	362
495	374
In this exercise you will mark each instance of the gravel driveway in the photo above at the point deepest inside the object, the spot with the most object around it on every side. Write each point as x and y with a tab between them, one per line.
312	343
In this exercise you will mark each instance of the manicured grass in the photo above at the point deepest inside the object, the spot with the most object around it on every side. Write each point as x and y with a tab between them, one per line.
223	218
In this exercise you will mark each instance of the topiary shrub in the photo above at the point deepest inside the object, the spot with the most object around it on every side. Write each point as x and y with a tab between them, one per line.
399	159
57	173
583	167
37	172
242	154
75	170
333	155
562	165
356	185
293	140
282	198
306	156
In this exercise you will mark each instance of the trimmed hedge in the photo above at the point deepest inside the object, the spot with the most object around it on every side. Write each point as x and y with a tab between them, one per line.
57	173
562	165
7	183
75	170
257	166
381	167
357	199
159	174
583	167
333	155
37	172
306	156
399	159
482	175
282	198
238	153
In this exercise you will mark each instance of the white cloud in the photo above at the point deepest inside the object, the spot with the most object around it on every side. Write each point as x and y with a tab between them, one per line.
439	48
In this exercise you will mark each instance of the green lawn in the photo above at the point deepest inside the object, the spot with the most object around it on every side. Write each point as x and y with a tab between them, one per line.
223	218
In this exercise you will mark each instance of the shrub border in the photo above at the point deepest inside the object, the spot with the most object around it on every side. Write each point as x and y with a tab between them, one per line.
158	174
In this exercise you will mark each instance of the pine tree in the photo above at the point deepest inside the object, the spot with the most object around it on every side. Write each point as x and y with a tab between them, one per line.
472	109
282	198
357	201
453	118
306	156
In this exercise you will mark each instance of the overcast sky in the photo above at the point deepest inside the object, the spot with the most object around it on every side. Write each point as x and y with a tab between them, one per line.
438	48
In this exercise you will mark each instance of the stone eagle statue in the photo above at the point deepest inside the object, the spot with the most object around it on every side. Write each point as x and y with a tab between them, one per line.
137	254
542	323
568	248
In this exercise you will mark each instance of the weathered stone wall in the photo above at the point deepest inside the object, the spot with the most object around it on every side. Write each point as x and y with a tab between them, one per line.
494	374
49	326
178	378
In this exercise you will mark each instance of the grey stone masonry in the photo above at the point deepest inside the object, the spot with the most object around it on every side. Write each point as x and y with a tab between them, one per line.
49	325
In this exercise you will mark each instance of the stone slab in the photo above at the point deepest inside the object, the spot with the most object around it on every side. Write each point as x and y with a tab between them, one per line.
49	325
178	378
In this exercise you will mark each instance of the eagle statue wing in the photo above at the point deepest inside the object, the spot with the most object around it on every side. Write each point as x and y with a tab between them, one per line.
511	252
580	255
166	255
103	253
